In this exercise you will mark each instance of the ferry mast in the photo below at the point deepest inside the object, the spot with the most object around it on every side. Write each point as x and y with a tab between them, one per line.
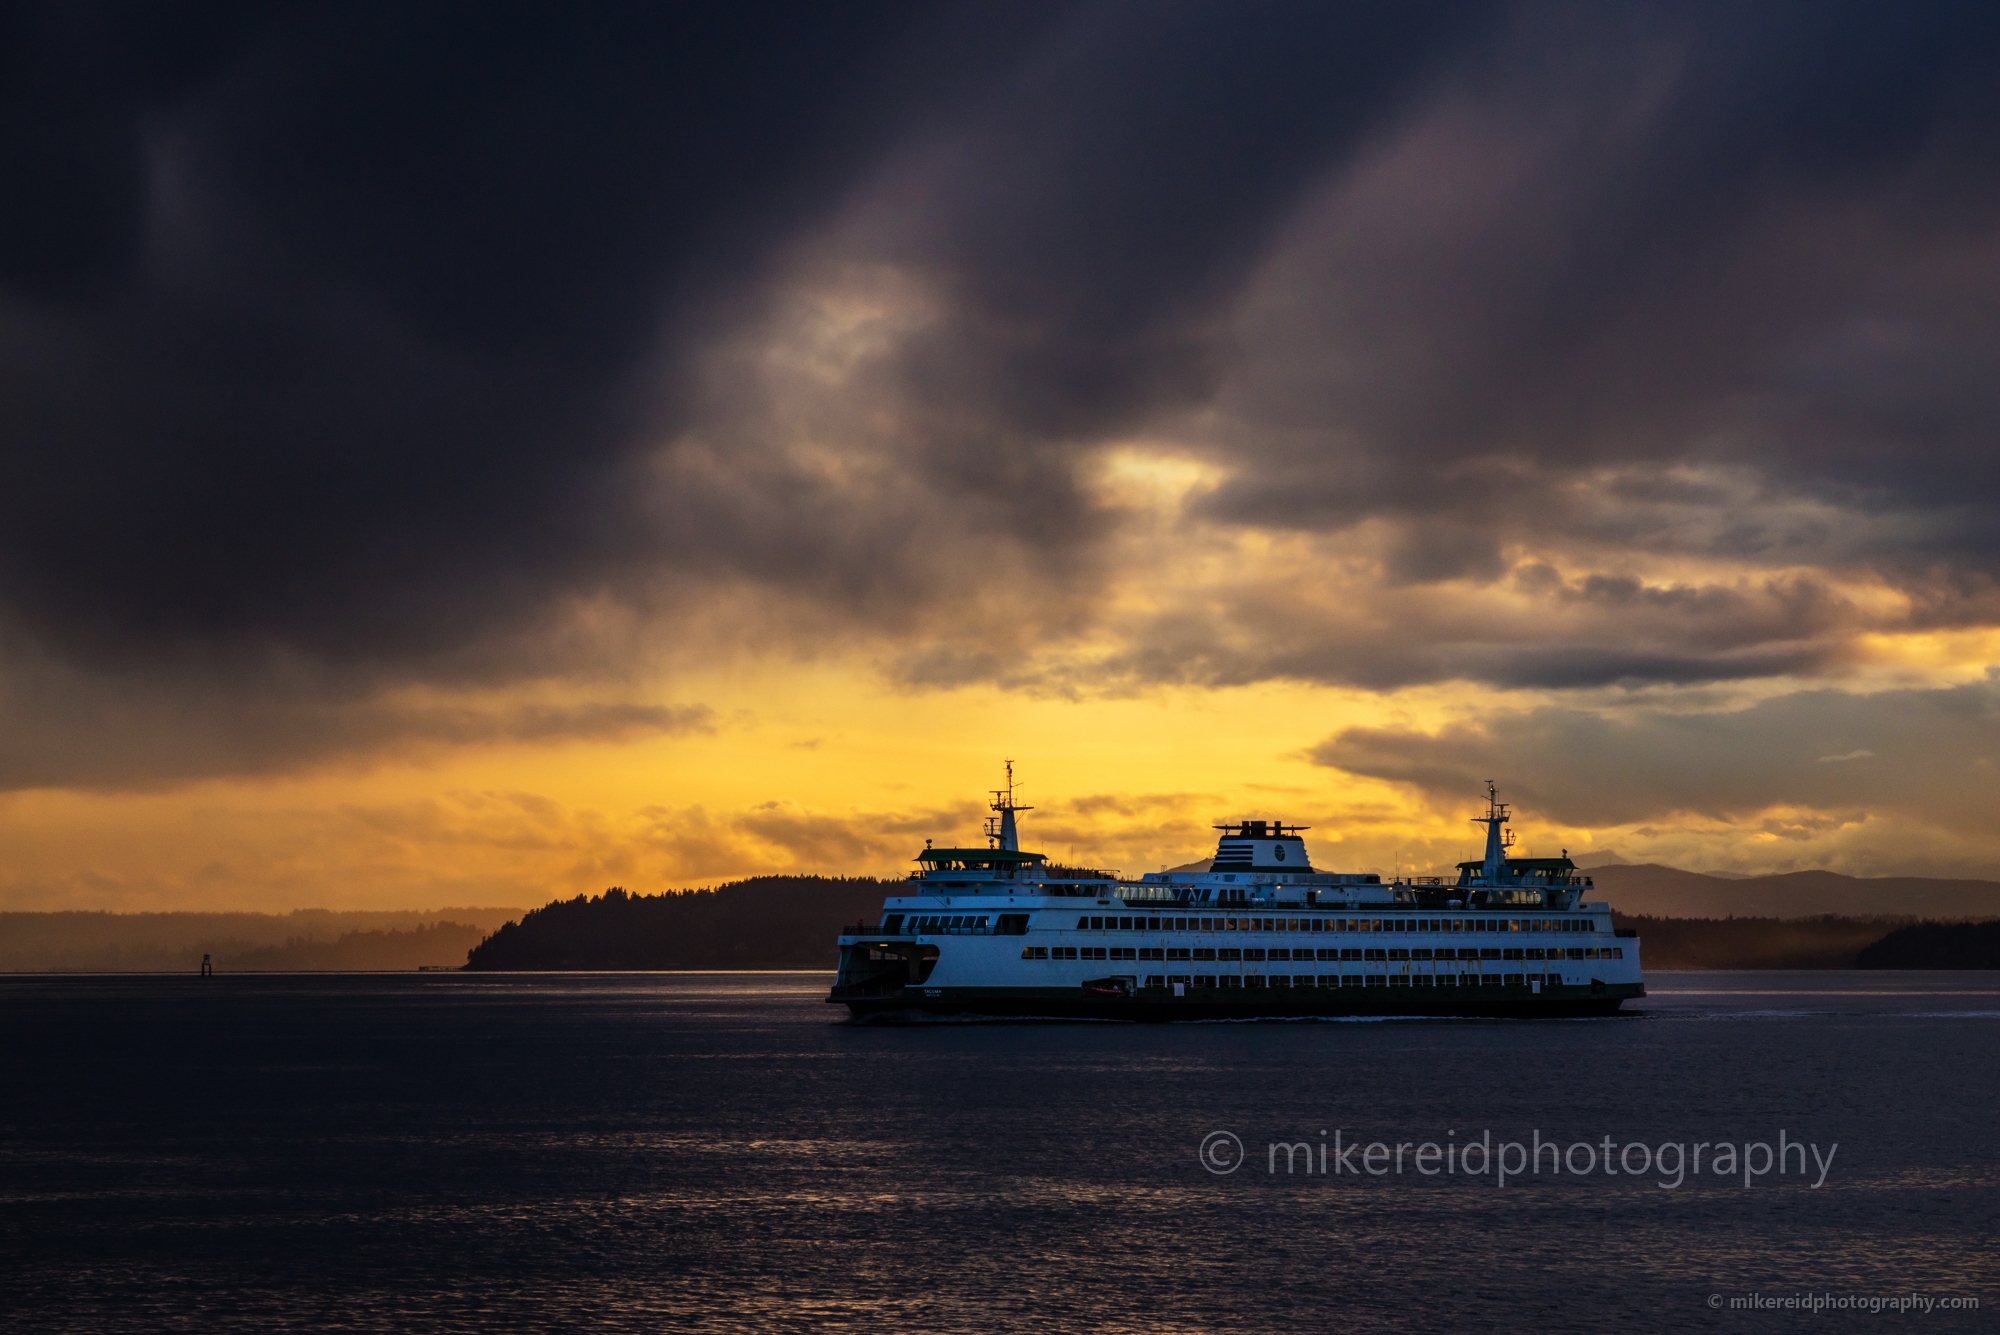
1498	838
1001	830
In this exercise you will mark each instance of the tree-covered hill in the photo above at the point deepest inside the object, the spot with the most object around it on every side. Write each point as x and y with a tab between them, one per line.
1936	945
765	922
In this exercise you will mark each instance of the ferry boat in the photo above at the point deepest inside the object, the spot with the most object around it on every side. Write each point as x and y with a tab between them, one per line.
1261	933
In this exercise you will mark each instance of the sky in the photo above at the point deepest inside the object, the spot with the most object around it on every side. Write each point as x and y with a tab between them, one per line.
478	454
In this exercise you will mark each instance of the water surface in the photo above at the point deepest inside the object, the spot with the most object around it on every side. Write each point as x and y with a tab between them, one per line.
722	1152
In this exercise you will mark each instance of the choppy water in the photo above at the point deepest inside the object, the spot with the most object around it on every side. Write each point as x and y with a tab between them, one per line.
721	1152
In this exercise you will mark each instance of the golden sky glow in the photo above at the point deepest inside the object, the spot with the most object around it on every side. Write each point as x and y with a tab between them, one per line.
816	768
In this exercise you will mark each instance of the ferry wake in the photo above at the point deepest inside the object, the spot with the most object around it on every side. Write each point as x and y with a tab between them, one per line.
1261	934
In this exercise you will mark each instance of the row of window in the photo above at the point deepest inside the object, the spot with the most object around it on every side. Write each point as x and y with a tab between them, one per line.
1105	922
948	924
1355	980
1226	955
957	924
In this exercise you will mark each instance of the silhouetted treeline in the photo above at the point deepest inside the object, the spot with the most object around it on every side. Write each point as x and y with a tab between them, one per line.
439	945
95	942
791	921
766	922
1826	942
1936	945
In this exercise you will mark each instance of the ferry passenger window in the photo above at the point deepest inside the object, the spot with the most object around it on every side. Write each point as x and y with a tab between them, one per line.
1083	922
1152	924
1096	923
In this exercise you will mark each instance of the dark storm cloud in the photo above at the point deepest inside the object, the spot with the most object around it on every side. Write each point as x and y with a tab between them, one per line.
318	318
1758	238
1928	755
373	339
323	324
59	727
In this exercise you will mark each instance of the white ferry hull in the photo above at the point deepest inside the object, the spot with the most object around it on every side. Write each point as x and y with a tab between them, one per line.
1157	1005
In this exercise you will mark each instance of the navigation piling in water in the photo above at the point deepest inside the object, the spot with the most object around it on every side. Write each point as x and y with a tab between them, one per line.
1260	933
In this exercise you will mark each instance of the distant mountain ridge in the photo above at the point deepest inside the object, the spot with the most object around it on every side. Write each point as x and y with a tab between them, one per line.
1650	890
